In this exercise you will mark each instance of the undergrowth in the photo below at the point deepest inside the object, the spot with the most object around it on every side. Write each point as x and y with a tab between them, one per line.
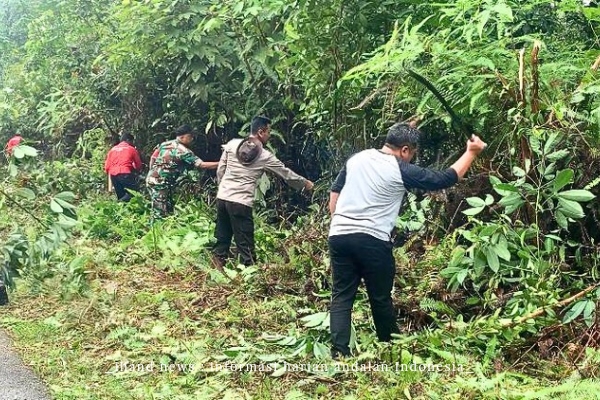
149	318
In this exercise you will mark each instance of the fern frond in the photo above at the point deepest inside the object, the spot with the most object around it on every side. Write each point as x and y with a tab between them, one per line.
428	304
592	184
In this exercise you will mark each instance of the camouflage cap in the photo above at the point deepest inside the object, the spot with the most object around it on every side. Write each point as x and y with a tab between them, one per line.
248	151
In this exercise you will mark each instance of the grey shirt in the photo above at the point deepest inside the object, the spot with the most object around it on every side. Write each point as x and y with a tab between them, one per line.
371	188
237	182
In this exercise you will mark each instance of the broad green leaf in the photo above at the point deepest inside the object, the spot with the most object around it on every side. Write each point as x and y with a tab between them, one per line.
558	155
26	193
65	196
320	350
501	249
461	275
12	170
54	206
471	301
18	152
480	261
549	245
574	311
313	320
518	172
234	351
551	142
549	171
458	253
66	222
470	236
472	211
208	126
489	199
64	204
588	313
504	12
505	189
561	220
212	24
475	202
562	179
579	195
511	202
570	208
536	146
494	180
287	341
489	230
492	259
29	151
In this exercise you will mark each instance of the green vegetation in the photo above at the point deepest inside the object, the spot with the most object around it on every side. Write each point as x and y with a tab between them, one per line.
497	278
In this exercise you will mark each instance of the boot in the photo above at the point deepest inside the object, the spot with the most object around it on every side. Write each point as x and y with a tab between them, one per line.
217	262
3	294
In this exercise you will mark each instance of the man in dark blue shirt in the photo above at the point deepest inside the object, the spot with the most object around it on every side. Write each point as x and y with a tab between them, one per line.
364	202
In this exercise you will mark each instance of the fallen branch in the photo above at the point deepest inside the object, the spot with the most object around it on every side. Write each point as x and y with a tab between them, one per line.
522	96
596	64
370	97
16	203
535	98
542	310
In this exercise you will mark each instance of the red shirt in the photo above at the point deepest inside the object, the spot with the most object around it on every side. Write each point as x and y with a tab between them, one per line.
122	159
12	143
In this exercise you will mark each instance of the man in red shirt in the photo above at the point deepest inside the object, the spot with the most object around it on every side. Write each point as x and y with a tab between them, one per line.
122	163
12	143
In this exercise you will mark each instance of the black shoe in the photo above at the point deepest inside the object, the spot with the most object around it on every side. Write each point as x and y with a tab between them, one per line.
337	355
217	262
3	294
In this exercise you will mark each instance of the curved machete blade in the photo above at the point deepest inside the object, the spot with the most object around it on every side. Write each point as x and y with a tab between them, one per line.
458	124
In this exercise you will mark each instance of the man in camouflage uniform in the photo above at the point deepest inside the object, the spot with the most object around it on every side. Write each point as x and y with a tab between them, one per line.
168	161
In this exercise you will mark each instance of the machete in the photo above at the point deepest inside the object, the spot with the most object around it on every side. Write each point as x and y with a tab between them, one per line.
459	125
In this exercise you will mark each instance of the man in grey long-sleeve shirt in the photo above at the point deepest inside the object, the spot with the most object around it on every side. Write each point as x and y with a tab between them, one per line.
242	163
364	202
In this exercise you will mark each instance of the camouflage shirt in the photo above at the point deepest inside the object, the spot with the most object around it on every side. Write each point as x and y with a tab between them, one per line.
171	158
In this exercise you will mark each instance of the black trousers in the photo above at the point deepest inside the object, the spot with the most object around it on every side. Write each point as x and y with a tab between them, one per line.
354	257
235	221
121	182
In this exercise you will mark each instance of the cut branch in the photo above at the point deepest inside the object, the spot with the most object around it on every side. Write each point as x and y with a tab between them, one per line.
370	97
522	77
542	310
596	64
535	83
506	85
